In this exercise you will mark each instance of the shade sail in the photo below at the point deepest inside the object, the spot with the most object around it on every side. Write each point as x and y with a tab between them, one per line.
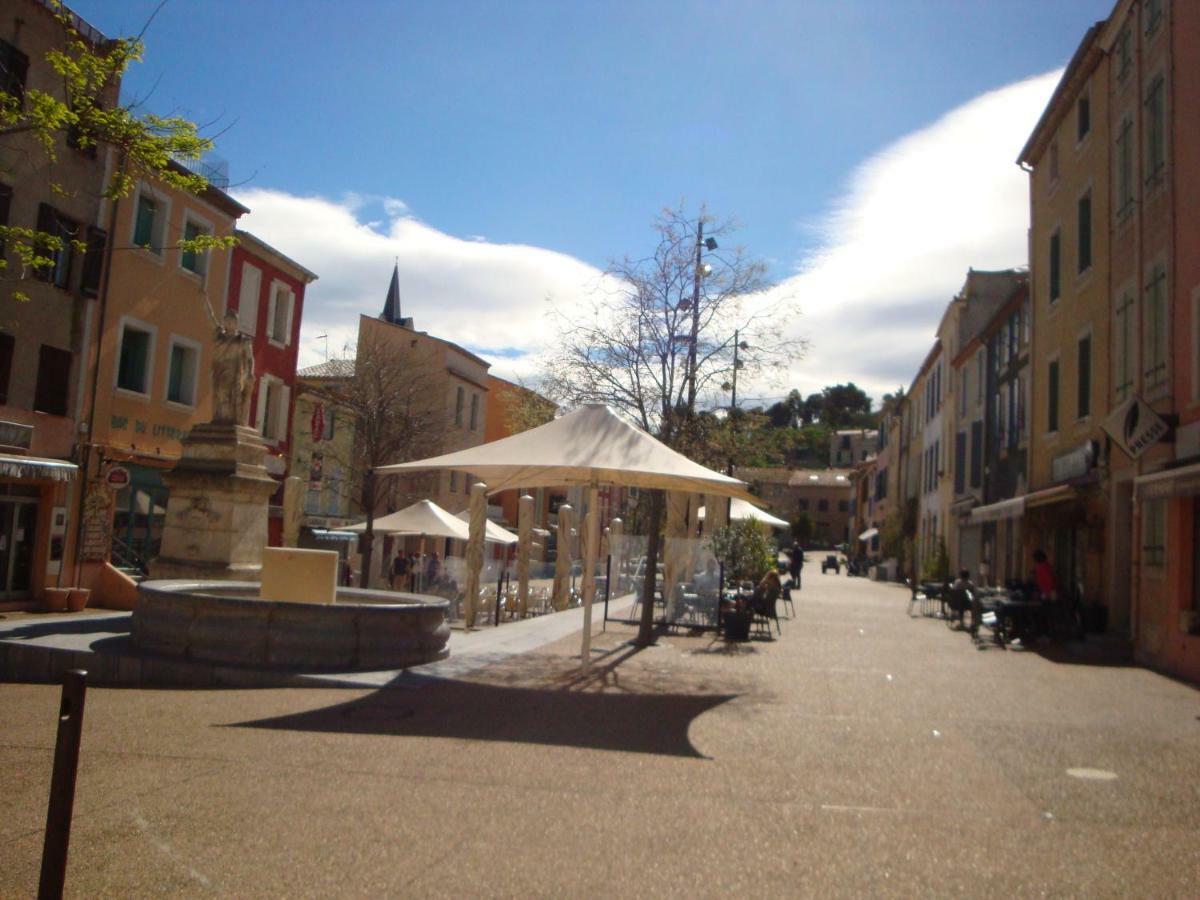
423	517
739	509
493	533
591	445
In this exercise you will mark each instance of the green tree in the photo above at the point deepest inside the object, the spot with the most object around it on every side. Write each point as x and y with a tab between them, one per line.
743	550
86	116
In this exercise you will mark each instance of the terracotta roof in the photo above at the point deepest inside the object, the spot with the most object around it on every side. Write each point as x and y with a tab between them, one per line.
333	368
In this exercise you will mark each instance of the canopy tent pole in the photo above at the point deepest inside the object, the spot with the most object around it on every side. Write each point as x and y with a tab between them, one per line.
524	539
478	528
674	551
562	560
591	550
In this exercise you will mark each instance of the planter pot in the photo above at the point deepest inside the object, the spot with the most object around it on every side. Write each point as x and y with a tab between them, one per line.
78	599
737	626
56	599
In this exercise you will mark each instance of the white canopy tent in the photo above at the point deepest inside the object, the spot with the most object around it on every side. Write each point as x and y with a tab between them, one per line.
739	510
424	517
493	533
590	446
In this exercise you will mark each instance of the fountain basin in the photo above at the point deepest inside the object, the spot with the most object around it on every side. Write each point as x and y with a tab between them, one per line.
225	622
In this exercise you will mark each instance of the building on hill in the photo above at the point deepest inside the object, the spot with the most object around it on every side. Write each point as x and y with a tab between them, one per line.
848	447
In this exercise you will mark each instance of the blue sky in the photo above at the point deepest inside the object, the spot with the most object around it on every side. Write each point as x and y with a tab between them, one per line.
565	126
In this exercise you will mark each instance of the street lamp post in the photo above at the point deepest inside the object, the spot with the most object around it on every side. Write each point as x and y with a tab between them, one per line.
702	243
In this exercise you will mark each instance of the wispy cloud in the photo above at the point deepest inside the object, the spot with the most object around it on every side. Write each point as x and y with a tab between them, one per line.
890	255
897	246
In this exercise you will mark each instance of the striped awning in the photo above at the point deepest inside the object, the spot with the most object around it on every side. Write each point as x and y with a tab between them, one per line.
35	468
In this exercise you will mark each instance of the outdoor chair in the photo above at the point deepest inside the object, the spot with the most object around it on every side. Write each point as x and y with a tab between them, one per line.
763	606
957	602
787	600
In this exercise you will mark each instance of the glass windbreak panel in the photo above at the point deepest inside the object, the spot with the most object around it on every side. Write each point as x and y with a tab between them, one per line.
691	582
23	535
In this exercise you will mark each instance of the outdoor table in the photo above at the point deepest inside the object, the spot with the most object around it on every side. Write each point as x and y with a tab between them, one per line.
1020	618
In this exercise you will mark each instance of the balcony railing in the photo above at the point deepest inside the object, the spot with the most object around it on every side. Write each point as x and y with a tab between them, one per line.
212	169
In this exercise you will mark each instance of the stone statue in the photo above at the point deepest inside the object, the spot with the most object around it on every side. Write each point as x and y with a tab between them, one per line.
232	373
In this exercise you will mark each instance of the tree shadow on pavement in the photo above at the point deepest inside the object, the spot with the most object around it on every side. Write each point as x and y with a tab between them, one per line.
545	700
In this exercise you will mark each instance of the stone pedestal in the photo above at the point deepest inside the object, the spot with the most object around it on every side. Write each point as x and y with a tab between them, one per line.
216	523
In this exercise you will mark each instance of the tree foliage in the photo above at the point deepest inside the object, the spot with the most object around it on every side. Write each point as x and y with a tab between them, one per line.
87	116
743	549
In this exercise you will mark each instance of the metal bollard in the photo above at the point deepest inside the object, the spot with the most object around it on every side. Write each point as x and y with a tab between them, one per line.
62	786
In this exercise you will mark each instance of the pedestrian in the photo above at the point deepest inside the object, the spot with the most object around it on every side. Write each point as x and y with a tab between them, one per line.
433	570
795	564
399	572
1043	577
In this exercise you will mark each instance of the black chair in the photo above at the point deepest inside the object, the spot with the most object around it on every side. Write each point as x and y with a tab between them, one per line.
763	607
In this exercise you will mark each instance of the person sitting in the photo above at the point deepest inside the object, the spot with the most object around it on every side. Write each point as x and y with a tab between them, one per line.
708	581
766	593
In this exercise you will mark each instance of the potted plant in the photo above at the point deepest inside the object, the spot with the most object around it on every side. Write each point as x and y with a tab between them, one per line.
77	599
56	599
745	555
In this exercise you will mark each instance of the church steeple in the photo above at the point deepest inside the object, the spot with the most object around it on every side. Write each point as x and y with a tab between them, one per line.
391	306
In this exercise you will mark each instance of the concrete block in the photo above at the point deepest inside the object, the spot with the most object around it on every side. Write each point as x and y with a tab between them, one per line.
299	576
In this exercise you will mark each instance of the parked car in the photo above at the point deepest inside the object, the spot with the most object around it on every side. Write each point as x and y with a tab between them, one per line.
831	562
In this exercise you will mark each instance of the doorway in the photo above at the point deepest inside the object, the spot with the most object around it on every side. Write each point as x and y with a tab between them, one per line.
18	528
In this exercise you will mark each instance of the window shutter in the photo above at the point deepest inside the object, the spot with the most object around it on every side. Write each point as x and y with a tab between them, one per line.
260	405
291	309
285	409
271	316
7	344
248	299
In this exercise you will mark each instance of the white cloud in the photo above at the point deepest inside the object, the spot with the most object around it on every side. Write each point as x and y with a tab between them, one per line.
897	246
890	255
487	297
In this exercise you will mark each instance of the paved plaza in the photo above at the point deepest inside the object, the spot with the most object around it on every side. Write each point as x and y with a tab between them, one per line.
863	753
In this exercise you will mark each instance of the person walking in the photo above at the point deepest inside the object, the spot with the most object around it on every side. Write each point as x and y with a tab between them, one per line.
795	564
399	572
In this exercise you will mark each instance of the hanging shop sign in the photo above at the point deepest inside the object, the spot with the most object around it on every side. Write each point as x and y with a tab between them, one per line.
117	477
1135	426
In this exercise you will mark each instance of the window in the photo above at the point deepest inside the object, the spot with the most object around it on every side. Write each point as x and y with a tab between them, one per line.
248	292
1083	384
1022	423
474	411
1125	168
960	462
1083	117
1084	219
843	506
93	262
149	221
195	261
1154	528
458	406
53	380
7	344
137	350
272	409
1153	12
1123	347
803	505
453	482
1053	164
1052	398
822	506
976	454
1124	53
279	314
183	366
14	66
1154	328
1002	416
980	377
1156	159
1055	263
54	223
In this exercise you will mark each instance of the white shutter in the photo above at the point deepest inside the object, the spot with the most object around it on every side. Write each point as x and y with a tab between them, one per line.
285	408
261	405
291	309
248	299
271	315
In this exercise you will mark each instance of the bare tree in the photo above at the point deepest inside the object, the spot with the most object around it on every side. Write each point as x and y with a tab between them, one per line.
395	403
656	341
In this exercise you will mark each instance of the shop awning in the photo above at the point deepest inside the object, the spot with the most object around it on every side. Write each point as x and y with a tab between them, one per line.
324	534
1181	482
1056	494
35	468
868	534
1003	509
